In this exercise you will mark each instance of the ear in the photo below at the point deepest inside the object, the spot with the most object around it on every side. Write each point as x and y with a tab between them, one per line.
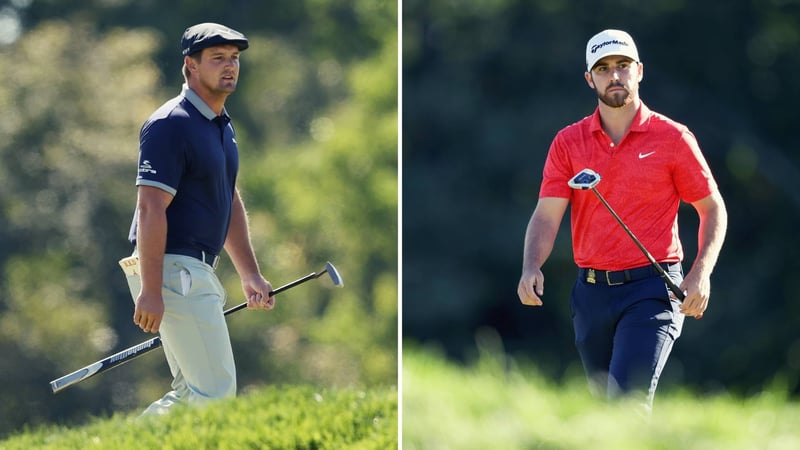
190	63
640	72
589	80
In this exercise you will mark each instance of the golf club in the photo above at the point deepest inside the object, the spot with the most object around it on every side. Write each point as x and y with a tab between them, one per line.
588	179
154	343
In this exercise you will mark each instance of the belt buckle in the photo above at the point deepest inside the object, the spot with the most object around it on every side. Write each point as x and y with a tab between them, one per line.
590	276
609	282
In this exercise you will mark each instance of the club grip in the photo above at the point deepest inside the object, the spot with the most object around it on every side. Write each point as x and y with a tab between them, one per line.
675	289
276	291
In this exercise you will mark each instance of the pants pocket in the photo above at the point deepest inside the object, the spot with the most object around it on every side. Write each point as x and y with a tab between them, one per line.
177	279
676	278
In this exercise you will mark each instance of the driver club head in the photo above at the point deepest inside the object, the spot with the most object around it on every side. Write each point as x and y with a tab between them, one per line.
585	179
334	274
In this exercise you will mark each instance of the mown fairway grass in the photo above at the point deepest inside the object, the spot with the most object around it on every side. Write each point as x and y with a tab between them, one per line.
486	406
272	418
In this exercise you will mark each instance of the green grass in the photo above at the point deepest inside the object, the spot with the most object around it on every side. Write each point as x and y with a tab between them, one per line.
273	418
487	406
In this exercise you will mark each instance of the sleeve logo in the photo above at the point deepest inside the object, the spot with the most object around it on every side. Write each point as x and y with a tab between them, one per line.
145	167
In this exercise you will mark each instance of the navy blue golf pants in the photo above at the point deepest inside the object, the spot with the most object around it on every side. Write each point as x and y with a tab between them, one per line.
624	333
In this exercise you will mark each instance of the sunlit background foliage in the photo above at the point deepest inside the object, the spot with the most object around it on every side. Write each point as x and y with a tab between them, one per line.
316	119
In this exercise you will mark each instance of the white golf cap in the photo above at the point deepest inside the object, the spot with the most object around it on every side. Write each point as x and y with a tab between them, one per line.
610	42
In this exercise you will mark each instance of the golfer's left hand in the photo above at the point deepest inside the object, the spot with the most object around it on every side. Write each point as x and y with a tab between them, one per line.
257	290
698	290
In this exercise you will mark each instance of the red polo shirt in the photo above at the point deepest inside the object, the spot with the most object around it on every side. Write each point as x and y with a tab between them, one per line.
656	165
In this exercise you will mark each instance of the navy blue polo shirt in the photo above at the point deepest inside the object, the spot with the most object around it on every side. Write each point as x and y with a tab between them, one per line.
187	150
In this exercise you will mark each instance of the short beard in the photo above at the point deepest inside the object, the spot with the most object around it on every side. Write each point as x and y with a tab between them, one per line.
617	99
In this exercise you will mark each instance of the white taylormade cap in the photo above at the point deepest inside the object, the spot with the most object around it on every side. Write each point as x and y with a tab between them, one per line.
610	42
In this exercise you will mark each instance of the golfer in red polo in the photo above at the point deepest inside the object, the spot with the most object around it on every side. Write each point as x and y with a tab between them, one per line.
625	318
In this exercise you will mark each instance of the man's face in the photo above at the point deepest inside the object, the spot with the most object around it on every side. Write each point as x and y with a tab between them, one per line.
218	69
615	79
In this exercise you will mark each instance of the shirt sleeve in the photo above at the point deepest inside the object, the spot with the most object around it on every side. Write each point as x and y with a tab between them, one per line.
693	177
161	156
557	171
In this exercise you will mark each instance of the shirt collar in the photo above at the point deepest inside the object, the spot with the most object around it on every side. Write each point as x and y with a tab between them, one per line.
641	120
198	103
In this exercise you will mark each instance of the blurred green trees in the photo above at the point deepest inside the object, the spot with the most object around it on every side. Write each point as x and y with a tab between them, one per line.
316	118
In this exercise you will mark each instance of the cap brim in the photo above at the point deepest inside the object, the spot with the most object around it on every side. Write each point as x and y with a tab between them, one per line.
590	66
215	42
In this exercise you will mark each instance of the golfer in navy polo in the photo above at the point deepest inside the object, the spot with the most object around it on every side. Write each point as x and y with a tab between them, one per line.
188	209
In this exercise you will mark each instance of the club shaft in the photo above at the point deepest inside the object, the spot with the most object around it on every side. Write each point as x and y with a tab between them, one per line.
671	284
138	350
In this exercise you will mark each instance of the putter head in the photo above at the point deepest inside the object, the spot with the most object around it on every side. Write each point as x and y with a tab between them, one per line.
334	274
585	179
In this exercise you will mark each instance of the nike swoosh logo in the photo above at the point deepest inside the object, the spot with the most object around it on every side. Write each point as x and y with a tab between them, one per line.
645	155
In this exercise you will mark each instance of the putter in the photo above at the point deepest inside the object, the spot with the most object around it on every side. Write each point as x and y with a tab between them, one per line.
588	179
138	350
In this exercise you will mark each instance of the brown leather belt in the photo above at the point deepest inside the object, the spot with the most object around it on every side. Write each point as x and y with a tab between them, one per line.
618	277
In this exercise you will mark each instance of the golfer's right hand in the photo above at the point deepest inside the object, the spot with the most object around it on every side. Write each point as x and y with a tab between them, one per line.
531	287
148	312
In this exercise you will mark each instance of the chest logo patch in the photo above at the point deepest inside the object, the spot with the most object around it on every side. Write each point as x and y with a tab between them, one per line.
644	155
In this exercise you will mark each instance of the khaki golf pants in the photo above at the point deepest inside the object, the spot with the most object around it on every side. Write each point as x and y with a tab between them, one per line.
193	332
